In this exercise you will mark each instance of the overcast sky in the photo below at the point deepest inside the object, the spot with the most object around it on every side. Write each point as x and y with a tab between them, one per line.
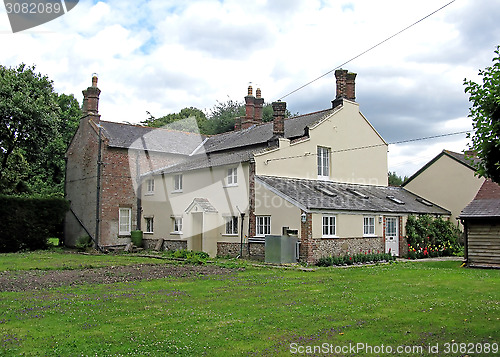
163	55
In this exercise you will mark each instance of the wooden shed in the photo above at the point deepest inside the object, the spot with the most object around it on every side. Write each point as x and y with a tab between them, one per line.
481	219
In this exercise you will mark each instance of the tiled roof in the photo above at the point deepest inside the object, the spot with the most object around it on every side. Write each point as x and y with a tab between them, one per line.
261	134
485	204
129	136
325	195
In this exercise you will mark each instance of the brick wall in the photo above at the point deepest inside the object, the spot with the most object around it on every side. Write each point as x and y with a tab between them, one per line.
308	250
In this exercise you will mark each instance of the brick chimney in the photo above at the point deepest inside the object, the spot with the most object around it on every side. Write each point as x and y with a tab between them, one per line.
346	86
248	120
91	100
259	103
279	109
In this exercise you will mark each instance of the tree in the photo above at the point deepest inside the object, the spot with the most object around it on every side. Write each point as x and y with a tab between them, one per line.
177	121
485	114
36	126
395	180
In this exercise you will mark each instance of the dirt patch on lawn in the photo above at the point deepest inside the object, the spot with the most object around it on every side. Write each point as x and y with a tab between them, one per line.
28	280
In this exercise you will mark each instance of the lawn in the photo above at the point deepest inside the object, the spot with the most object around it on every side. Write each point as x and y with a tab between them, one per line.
255	312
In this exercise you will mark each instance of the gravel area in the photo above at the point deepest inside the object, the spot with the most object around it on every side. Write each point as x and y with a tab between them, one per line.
29	280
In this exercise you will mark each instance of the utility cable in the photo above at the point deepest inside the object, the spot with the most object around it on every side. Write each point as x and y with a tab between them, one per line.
368	50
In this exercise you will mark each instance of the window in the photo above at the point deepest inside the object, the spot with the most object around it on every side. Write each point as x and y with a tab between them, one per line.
125	221
232	225
263	225
232	177
178	183
150	186
369	226
323	163
177	225
149	224
329	227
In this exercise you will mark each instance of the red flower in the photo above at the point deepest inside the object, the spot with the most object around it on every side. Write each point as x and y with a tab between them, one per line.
350	258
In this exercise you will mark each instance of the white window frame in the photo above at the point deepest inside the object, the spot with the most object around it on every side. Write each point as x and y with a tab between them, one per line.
149	223
323	163
263	225
231	225
176	225
150	186
177	183
368	226
124	213
232	176
329	226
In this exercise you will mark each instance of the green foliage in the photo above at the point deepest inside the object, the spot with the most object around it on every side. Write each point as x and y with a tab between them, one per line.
27	223
83	243
36	126
485	114
395	180
431	237
191	256
179	121
360	258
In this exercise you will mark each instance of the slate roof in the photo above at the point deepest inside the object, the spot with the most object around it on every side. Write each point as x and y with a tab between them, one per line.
459	157
325	195
204	204
129	136
239	146
486	204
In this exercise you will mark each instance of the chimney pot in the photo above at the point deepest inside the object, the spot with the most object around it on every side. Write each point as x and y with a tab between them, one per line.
250	91
258	93
91	100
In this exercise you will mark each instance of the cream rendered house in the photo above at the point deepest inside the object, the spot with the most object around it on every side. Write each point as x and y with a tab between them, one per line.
322	174
449	180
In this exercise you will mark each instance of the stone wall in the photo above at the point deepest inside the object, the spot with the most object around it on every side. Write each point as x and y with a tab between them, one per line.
150	244
257	250
342	246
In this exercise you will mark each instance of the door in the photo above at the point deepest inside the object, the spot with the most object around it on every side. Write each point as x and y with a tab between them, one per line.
197	237
392	235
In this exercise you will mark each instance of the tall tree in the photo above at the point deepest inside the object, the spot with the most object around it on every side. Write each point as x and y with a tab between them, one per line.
485	114
395	180
36	126
177	121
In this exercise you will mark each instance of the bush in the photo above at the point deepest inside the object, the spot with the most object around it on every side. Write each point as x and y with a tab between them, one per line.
28	223
83	243
428	237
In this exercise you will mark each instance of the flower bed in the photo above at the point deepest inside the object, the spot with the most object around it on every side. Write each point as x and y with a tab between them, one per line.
355	259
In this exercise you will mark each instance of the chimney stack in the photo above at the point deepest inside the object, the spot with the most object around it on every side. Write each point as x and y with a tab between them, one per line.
91	100
253	110
279	109
346	86
259	103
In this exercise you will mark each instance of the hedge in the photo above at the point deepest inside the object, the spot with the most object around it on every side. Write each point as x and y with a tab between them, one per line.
27	223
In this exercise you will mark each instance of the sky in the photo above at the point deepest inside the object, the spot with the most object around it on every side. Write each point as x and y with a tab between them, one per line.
164	55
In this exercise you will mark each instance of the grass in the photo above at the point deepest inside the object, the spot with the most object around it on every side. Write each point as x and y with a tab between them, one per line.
256	312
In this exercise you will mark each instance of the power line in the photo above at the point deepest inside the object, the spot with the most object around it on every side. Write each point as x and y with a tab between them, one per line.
368	50
374	146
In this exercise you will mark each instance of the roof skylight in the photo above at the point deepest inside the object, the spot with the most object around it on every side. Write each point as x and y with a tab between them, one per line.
357	193
325	191
425	202
395	200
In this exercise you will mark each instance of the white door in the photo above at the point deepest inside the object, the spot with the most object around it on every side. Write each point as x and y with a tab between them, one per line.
392	235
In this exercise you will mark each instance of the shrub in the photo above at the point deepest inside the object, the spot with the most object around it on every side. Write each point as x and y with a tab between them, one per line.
27	223
83	243
360	258
428	237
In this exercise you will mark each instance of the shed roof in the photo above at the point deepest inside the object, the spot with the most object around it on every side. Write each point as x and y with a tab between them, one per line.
486	204
325	195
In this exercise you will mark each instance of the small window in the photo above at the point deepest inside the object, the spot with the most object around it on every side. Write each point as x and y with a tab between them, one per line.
232	225
178	183
369	226
323	163
150	186
263	225
177	225
125	221
329	226
232	177
149	225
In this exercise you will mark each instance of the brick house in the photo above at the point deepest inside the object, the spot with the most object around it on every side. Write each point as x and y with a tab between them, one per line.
103	161
322	174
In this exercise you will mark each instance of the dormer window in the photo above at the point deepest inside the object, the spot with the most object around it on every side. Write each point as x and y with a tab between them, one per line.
323	163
